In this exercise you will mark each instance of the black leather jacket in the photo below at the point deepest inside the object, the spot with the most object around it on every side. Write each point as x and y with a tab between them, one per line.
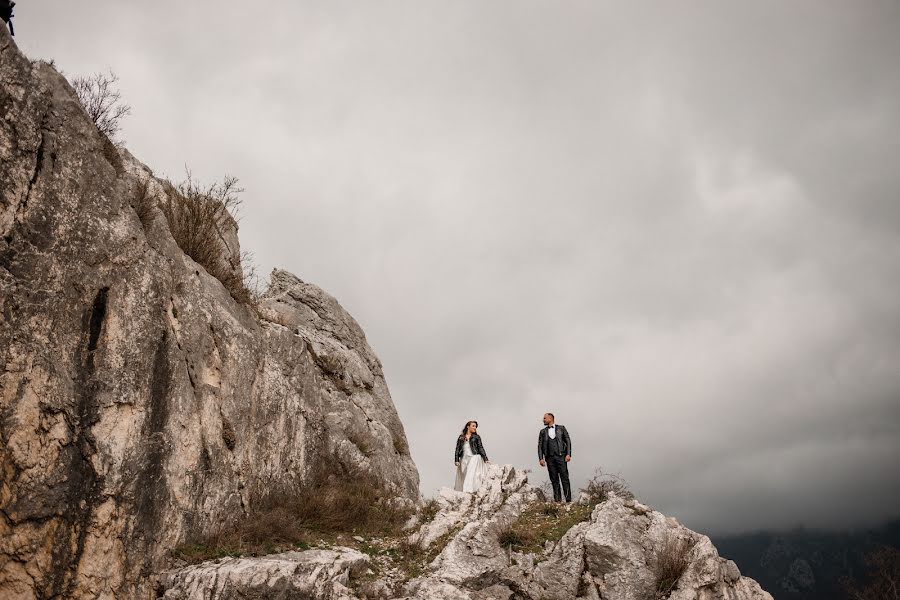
474	442
562	436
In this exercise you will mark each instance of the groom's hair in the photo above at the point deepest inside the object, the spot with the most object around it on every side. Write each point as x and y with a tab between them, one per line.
551	416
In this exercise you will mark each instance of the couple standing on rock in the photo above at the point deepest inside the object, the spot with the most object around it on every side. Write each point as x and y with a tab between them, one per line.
554	452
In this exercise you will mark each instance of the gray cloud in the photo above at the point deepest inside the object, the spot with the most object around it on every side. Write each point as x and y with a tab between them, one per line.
674	226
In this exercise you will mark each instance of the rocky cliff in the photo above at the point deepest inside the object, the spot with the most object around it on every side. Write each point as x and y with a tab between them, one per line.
140	404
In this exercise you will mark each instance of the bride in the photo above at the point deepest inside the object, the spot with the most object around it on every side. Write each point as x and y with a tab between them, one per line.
470	459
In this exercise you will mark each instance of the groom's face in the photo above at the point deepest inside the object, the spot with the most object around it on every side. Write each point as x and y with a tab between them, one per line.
548	420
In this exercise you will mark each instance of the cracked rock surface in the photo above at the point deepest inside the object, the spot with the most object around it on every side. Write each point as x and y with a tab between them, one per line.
308	574
140	404
609	556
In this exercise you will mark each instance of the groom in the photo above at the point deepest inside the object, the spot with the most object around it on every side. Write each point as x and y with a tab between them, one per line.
554	452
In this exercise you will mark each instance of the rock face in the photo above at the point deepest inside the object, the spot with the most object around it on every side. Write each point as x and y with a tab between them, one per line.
140	404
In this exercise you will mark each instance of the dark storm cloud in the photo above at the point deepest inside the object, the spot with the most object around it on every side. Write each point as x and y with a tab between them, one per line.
674	226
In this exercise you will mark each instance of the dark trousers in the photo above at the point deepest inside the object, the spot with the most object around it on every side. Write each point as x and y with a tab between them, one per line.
558	469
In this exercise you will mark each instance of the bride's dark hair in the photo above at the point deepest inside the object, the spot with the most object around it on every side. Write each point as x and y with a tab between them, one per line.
466	428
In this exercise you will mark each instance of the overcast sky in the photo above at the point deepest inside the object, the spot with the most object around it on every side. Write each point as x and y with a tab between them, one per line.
674	225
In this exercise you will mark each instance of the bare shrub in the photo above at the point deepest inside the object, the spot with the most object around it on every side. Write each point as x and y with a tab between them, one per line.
670	561
599	487
101	99
883	581
198	218
253	283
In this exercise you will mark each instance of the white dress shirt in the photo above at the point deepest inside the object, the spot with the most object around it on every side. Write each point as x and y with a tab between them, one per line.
551	431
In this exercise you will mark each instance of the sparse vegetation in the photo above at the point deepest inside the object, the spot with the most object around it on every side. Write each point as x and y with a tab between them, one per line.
548	521
429	510
515	538
670	562
601	485
101	99
328	510
412	559
541	523
199	218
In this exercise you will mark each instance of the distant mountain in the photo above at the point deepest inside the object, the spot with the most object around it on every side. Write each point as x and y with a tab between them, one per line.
805	564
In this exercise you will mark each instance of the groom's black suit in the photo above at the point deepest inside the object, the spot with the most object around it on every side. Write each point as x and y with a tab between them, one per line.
554	452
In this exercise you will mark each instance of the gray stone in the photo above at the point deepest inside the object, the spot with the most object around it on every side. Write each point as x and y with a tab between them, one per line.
308	574
610	556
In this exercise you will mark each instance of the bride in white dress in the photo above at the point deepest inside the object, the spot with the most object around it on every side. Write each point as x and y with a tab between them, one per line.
470	459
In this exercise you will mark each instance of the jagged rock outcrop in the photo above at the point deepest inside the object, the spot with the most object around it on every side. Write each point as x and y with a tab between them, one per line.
610	555
140	404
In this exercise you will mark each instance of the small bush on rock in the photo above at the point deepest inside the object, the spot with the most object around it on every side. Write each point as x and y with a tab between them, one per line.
198	218
601	485
101	99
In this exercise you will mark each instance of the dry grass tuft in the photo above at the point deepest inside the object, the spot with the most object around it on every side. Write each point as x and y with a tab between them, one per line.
515	538
670	562
429	510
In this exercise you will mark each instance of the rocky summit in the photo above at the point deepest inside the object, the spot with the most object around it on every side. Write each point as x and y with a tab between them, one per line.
145	404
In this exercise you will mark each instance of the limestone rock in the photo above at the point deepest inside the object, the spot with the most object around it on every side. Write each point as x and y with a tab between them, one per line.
609	556
141	406
308	574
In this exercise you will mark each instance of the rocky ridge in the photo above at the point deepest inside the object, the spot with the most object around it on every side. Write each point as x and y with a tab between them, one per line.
607	556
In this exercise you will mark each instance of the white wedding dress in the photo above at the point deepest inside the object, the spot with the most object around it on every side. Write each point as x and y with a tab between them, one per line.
470	473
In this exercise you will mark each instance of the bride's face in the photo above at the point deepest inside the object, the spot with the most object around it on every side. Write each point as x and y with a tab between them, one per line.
472	427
